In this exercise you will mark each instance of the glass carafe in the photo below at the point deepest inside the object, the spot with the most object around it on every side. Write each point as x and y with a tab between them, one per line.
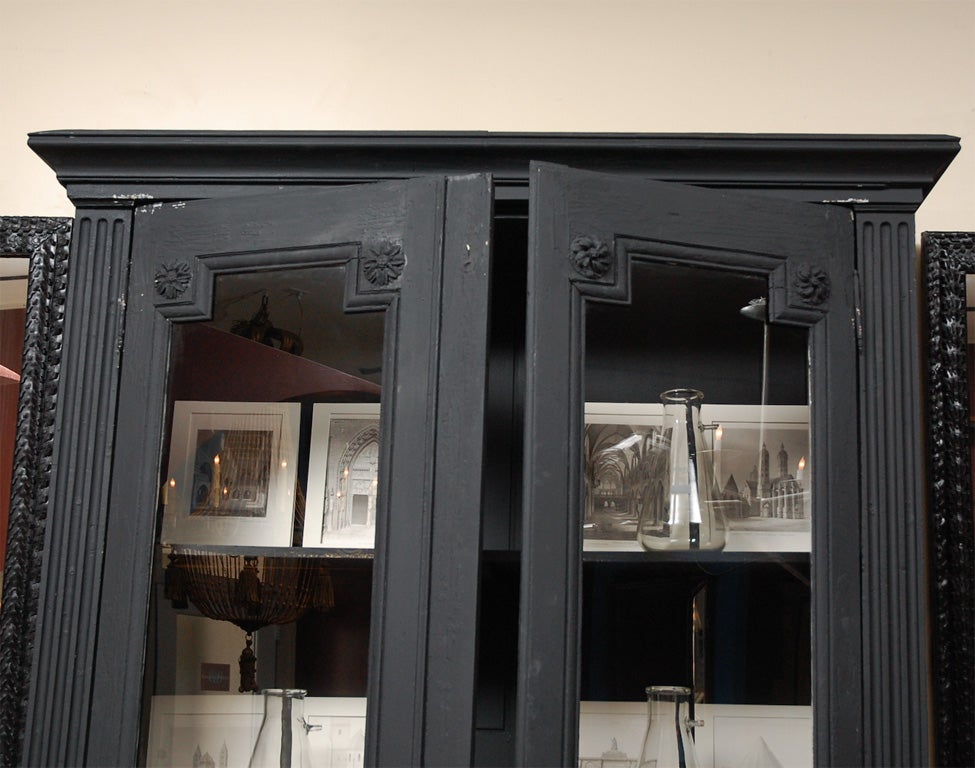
283	739
681	513
669	740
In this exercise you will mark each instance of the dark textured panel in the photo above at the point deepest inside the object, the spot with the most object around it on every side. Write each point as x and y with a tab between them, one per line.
67	622
46	241
895	669
948	257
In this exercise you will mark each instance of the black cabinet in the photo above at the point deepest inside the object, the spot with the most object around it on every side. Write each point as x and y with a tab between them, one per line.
514	293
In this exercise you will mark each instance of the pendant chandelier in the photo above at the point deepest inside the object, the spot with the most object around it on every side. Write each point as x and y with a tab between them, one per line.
250	591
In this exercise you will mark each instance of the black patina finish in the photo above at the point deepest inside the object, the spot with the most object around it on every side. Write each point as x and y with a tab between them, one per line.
45	241
948	258
662	223
872	693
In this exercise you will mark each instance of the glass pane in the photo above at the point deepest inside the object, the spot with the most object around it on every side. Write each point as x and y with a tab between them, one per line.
13	300
697	524
267	526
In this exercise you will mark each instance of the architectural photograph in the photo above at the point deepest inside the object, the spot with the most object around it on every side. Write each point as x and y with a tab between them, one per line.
527	384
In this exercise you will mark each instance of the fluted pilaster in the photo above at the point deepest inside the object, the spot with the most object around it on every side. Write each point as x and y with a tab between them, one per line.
894	621
67	621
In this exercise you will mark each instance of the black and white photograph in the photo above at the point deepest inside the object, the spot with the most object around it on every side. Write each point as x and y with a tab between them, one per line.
343	476
232	471
757	459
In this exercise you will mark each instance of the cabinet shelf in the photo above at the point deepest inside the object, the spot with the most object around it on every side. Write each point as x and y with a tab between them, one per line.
322	553
698	556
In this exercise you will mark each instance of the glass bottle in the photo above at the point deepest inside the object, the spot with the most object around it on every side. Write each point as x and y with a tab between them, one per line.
669	740
681	514
282	741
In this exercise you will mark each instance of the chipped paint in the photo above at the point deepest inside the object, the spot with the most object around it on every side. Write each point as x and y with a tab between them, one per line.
848	200
178	205
134	196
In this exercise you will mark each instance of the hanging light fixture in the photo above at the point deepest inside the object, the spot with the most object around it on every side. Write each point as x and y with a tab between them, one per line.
260	329
250	591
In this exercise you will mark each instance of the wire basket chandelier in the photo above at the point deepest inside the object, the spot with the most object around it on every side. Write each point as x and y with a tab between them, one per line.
250	591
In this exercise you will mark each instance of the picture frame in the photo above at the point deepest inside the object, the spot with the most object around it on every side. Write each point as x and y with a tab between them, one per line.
343	482
611	734
187	731
611	510
232	473
949	295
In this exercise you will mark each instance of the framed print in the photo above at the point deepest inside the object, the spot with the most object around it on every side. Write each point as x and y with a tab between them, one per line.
232	472
762	474
343	476
611	735
220	731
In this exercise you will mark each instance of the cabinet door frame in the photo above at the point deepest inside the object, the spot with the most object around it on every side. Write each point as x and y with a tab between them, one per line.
436	320
586	230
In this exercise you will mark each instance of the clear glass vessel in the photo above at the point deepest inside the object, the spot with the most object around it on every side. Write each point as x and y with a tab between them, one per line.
669	740
282	741
682	515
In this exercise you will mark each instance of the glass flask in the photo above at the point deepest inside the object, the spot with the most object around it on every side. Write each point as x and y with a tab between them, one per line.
681	513
669	740
282	741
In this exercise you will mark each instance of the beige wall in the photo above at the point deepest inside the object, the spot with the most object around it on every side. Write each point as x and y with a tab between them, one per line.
602	65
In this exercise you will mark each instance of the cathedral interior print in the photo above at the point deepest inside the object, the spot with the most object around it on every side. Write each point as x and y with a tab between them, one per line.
760	470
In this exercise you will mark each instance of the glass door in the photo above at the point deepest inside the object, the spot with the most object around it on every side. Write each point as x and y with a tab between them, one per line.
269	500
288	444
691	495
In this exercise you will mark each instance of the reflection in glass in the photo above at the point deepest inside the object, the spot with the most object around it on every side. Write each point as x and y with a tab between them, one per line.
696	566
249	594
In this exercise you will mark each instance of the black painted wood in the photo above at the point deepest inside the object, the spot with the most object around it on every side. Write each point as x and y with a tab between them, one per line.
45	242
453	621
586	230
276	232
113	172
72	573
948	258
127	167
894	556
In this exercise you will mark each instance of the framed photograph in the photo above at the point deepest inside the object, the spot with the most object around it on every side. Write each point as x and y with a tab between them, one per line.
762	473
343	476
232	472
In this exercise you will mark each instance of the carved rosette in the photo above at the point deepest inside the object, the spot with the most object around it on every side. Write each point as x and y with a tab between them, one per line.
811	284
173	279
590	257
384	263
